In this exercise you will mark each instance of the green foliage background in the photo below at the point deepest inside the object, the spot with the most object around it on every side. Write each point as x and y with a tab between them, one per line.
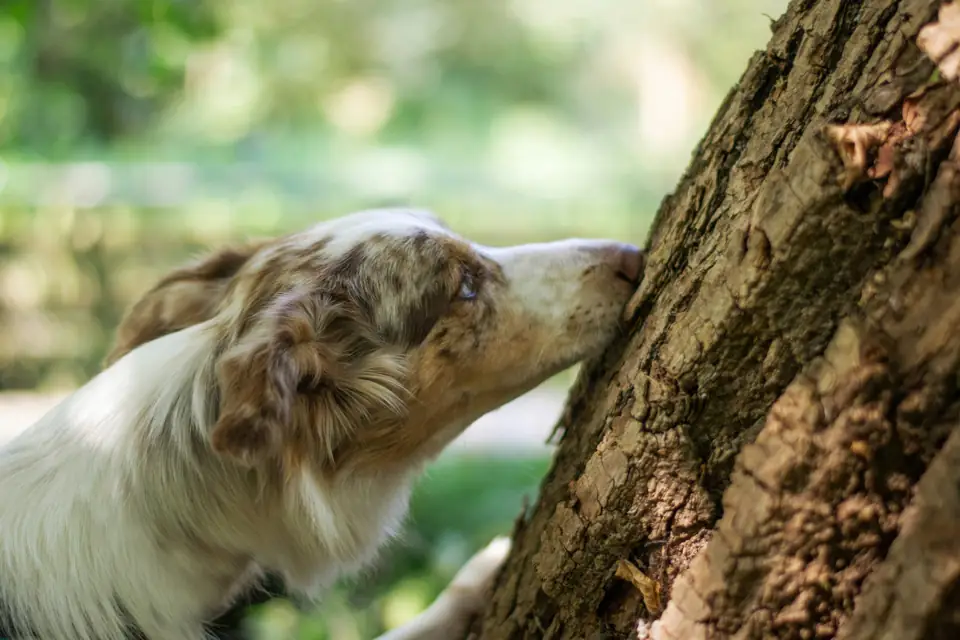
135	133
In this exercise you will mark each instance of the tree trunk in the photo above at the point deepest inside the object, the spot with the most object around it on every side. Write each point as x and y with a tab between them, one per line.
766	453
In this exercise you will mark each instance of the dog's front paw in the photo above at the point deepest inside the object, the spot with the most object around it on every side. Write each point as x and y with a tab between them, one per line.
449	616
469	587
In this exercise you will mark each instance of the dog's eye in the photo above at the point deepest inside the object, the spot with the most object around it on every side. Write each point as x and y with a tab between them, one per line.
468	287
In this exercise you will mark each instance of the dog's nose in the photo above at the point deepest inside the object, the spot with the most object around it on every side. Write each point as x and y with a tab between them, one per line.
627	261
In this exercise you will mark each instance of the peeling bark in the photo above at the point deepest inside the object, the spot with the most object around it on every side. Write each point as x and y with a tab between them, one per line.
754	445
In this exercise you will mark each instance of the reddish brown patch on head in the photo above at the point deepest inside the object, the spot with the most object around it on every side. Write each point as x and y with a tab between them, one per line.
459	353
306	374
248	438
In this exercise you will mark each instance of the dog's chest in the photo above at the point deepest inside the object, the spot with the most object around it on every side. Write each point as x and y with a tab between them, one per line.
356	517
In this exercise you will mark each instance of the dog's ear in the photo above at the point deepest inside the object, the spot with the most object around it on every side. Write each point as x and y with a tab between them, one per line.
301	378
188	296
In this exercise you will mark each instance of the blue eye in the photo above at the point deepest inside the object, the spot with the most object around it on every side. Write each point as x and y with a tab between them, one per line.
468	288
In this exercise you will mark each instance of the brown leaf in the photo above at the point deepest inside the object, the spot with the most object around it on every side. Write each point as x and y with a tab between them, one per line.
884	165
854	142
941	40
914	117
648	587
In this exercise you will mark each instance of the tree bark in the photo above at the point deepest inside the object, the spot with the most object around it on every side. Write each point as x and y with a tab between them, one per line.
763	455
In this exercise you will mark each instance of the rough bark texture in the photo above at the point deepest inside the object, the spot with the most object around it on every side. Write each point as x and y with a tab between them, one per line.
754	446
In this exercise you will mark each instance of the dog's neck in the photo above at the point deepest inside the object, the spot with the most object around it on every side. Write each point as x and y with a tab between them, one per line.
307	523
127	454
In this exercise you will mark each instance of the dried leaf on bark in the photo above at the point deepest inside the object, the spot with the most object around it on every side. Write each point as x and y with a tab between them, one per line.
871	151
855	143
648	587
941	40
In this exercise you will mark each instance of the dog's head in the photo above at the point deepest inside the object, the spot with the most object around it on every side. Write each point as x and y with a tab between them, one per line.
377	337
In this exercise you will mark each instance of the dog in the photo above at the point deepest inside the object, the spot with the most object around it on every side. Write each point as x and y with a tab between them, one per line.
268	409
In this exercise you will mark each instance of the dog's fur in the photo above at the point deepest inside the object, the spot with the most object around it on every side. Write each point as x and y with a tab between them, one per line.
269	408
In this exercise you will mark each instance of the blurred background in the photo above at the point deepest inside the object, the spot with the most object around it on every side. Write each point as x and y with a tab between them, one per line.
136	133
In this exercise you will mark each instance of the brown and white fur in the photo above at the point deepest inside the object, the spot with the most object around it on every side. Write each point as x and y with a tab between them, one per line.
292	394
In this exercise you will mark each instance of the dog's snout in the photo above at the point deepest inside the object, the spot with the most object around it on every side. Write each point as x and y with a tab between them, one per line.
626	261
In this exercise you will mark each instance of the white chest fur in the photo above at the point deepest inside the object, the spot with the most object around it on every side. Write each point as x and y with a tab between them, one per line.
347	521
108	501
